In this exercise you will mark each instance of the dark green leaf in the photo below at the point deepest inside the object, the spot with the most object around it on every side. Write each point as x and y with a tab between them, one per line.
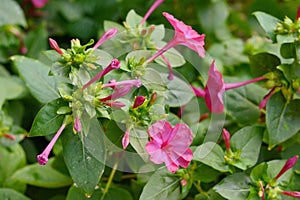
234	187
288	50
35	75
268	23
282	119
10	194
47	121
84	155
161	185
212	155
11	13
248	142
262	63
242	103
43	176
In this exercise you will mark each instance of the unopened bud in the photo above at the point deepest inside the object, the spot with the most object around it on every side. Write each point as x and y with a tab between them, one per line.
153	98
138	101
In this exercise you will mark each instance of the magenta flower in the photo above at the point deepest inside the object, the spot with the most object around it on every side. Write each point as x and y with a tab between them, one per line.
215	87
289	164
152	8
125	139
139	100
226	138
107	35
54	45
115	104
115	64
170	145
184	35
298	13
43	157
121	88
266	98
39	3
294	194
77	125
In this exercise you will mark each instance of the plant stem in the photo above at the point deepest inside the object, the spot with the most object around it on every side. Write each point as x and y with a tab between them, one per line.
110	179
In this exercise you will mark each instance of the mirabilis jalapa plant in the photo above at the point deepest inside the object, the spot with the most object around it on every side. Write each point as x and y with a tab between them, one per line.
94	90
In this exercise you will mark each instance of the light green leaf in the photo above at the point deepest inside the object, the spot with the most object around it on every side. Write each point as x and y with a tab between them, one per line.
234	187
11	13
212	155
268	23
43	176
133	19
35	75
161	185
248	142
10	194
139	139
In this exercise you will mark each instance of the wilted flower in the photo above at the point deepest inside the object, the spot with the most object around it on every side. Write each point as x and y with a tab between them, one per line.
170	145
226	138
289	164
125	139
107	35
294	194
77	125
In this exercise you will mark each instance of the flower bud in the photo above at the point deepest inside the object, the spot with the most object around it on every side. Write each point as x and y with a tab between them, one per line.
138	101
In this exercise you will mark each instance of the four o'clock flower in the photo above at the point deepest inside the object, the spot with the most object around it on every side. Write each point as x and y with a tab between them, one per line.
115	64
170	145
226	138
125	139
294	194
43	157
139	100
298	13
184	35
289	164
152	8
39	3
77	125
215	87
107	35
54	45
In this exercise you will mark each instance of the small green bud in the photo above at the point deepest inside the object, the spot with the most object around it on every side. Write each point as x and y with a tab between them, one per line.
64	110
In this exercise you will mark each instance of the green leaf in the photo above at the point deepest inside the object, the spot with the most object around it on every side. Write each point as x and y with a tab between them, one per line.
12	159
84	154
10	88
47	121
234	187
43	176
10	194
110	24
133	19
139	139
242	103
267	171
161	185
262	63
248	142
282	119
268	23
172	55
288	50
35	75
212	155
11	13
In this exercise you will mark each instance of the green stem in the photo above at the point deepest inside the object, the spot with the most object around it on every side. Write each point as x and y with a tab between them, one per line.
110	179
198	187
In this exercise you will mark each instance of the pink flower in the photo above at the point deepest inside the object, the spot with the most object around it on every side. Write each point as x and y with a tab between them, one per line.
215	87
115	64
298	13
54	45
289	164
77	124
39	3
152	8
121	88
294	194
139	100
43	157
170	145
107	35
226	138
125	139
184	35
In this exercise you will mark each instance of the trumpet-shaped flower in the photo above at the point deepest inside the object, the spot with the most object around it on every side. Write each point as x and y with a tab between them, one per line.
289	164
170	145
115	64
43	157
184	35
107	35
215	87
54	45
